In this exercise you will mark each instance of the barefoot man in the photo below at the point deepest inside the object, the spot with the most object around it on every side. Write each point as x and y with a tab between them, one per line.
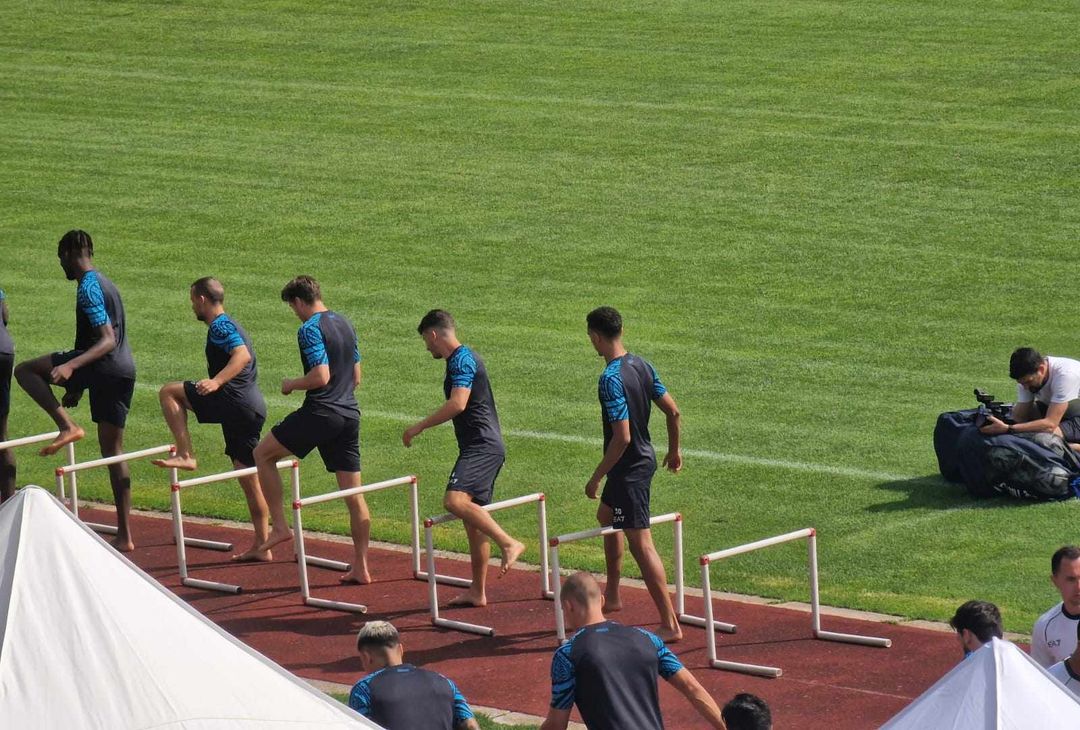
628	388
229	396
328	420
100	362
471	405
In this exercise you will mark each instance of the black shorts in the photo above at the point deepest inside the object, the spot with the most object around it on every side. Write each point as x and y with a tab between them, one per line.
629	502
475	474
110	395
241	426
7	364
335	435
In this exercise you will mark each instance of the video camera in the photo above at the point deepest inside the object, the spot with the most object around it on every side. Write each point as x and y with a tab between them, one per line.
990	407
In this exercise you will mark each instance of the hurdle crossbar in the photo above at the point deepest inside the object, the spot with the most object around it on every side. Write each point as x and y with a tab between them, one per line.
74	468
303	559
40	438
434	578
810	534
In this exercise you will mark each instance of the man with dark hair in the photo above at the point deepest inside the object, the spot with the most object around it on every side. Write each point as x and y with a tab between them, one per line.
1047	397
628	388
100	362
7	364
609	670
745	711
399	696
975	623
328	420
229	396
471	405
1068	671
1054	637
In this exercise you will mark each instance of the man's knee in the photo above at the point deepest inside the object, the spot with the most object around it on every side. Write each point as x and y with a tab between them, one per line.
640	541
456	502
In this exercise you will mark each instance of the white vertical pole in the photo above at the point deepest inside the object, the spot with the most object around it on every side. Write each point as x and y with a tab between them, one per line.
71	460
433	596
706	589
298	537
815	606
178	531
414	499
556	588
680	589
545	575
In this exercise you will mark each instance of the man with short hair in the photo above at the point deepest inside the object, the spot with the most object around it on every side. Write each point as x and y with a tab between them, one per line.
7	365
1068	671
399	696
745	711
1054	637
1047	397
609	670
628	388
975	623
100	362
329	418
228	395
471	405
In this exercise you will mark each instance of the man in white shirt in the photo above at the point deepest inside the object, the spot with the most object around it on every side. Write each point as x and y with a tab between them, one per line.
1068	671
1047	397
1054	637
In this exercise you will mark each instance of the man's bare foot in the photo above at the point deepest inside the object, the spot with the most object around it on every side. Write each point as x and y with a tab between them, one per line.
359	577
63	439
253	555
177	462
122	546
670	636
468	598
612	605
510	556
276	538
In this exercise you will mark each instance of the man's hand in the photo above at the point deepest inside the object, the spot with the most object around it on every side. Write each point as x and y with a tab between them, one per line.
71	398
286	386
410	433
207	386
994	426
61	374
592	488
673	462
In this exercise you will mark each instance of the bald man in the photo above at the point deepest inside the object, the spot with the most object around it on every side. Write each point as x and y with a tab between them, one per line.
609	670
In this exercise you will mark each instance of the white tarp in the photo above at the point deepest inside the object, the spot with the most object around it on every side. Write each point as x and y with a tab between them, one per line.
999	687
87	640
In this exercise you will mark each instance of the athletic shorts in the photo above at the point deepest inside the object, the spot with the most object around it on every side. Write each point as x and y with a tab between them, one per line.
7	364
110	395
241	426
337	437
475	474
629	502
1070	422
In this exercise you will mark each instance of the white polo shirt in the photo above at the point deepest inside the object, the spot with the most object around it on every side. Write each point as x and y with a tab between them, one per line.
1062	383
1053	639
1063	674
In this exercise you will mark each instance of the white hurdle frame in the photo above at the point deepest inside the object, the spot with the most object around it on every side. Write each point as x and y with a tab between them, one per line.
815	608
178	523
433	578
40	438
676	520
71	469
303	559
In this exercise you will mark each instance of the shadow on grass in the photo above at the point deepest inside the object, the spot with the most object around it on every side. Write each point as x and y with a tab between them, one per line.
933	492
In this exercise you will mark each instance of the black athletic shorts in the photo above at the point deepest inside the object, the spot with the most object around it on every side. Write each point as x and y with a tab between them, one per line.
241	426
7	364
475	474
337	437
629	502
110	396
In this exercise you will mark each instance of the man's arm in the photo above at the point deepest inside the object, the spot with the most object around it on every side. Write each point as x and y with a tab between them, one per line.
667	404
239	357
315	378
556	719
105	344
620	439
459	398
356	376
1047	424
4	311
692	690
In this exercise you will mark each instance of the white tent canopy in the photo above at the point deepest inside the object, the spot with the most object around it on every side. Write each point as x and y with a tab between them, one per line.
999	687
87	640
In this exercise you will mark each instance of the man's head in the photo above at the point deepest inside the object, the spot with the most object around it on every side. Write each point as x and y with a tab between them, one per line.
379	645
75	251
745	711
439	332
303	295
605	328
1029	368
975	623
207	297
1065	574
582	601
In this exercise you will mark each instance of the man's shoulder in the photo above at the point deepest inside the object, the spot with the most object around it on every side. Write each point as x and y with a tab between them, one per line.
1049	615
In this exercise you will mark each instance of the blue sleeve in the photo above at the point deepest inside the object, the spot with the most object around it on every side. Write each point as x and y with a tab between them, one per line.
563	683
360	698
224	335
669	664
462	711
2	297
658	388
462	370
312	346
356	353
91	301
613	398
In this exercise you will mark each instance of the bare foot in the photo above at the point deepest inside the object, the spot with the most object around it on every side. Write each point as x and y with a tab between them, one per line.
612	605
469	599
510	556
177	462
359	577
253	555
122	546
63	439
276	538
670	636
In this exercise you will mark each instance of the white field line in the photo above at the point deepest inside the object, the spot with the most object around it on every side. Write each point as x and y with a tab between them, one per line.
596	442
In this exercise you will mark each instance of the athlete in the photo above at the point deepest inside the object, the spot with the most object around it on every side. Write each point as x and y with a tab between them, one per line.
399	696
628	388
7	363
328	420
229	396
609	670
471	405
100	362
1054	637
1068	671
975	624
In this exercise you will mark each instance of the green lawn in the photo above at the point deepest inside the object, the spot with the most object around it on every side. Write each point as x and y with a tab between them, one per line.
824	222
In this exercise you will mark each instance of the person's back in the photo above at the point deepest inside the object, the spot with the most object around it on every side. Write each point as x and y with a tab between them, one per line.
328	338
404	697
97	301
630	383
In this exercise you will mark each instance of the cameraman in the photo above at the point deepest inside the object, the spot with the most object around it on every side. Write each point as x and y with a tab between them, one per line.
1047	397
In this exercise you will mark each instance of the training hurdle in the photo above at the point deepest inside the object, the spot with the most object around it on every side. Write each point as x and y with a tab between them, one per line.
40	438
178	522
815	609
73	468
434	578
303	559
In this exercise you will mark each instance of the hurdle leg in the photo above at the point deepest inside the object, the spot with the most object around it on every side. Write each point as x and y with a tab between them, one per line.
181	552
545	573
815	610
556	595
433	593
315	560
414	507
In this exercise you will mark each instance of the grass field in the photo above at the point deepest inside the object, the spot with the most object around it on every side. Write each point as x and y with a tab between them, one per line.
824	222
